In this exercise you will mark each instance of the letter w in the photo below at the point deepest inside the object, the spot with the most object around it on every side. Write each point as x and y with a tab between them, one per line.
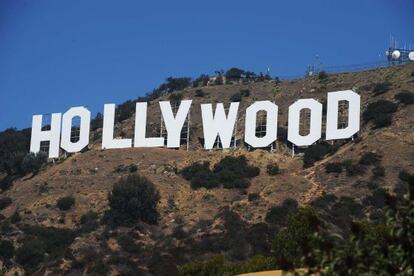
218	124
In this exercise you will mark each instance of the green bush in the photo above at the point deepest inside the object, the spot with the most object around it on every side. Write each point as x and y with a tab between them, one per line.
378	171
88	217
380	113
199	93
176	84
324	201
6	249
205	179
353	169
334	167
405	97
253	197
125	111
322	75
376	199
273	169
231	172
89	222
5	202
175	98
315	153
234	73
132	199
14	145
381	88
132	168
406	176
15	218
128	244
236	97
345	208
277	215
54	241
245	92
33	162
200	175
382	120
98	268
370	158
65	203
202	80
30	254
6	183
97	122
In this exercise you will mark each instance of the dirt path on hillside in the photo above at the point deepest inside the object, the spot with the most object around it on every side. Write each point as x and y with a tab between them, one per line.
316	189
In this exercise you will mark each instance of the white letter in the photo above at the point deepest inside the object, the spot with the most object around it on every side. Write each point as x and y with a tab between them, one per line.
52	135
271	124
108	141
174	125
354	101
141	128
315	122
218	124
85	120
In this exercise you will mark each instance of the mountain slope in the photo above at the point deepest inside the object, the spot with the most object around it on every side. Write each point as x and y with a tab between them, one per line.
193	223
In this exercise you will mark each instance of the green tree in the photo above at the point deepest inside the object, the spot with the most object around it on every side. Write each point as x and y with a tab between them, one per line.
295	240
33	162
234	73
370	249
132	199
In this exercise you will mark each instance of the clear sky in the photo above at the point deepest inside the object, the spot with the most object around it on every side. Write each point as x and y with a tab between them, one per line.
58	54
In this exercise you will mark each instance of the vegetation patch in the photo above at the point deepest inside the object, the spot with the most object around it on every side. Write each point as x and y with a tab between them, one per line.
334	167
199	93
380	113
273	169
353	169
43	244
381	88
230	172
277	215
378	171
133	199
89	222
315	153
236	97
6	249
128	244
322	76
370	158
65	203
5	202
295	241
405	97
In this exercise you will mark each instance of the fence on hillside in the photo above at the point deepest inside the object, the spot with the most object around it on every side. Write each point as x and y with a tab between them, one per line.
351	68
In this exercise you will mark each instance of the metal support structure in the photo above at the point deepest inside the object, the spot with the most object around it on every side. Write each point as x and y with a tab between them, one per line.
343	108
188	129
185	131
46	125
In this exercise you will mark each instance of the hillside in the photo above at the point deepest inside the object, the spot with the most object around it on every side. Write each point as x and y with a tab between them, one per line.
196	224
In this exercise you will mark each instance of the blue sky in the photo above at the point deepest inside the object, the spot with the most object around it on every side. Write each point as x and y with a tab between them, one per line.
58	54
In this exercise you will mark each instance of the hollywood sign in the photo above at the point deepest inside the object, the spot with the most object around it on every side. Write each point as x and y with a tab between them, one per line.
215	124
